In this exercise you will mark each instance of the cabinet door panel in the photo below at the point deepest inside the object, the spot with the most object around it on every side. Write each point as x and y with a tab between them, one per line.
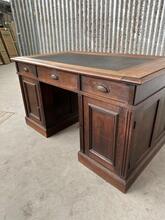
31	96
145	121
103	127
104	131
160	121
149	127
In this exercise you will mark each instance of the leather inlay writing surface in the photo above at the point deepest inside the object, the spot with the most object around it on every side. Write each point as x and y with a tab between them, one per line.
96	61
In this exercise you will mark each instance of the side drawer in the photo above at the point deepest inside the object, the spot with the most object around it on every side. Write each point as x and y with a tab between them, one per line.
58	78
109	89
150	87
28	70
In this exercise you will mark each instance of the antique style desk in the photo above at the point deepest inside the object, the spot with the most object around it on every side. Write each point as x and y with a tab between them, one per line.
119	101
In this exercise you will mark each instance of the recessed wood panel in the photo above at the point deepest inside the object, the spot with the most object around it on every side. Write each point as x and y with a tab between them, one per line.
30	88
160	121
143	132
103	127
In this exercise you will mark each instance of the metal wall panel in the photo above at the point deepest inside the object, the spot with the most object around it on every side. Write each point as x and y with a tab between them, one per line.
117	26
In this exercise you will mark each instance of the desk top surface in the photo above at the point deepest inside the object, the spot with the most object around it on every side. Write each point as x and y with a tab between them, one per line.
96	61
131	68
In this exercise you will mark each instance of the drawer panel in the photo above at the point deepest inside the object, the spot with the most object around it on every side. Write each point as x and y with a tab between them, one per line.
27	69
149	88
109	89
58	78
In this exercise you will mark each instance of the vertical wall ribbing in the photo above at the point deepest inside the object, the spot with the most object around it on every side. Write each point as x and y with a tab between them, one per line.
120	26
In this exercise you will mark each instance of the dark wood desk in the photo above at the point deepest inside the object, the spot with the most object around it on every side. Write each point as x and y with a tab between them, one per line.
119	101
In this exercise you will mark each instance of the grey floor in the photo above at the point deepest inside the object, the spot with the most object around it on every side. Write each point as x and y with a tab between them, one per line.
41	179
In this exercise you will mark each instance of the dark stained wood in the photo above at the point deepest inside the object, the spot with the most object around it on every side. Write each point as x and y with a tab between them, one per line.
103	132
113	90
147	89
36	126
121	110
136	74
143	131
147	128
159	129
32	99
27	70
143	163
58	78
106	174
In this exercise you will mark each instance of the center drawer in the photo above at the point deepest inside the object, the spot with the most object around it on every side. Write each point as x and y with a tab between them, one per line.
107	88
58	78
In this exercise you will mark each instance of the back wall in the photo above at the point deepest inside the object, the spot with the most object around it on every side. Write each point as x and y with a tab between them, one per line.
117	26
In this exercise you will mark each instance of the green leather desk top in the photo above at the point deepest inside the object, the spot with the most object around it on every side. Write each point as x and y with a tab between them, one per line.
96	61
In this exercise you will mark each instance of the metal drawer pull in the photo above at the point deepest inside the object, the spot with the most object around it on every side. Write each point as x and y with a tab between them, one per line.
55	77
26	69
102	88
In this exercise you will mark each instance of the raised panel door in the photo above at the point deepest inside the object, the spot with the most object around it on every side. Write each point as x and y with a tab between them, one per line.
32	99
104	129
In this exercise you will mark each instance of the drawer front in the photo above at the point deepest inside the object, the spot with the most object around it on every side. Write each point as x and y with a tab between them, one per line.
58	78
27	69
109	89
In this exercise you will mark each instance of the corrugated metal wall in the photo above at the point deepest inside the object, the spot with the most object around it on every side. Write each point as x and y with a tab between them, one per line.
121	26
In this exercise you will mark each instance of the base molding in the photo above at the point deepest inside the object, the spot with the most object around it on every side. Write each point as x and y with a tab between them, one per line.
122	184
47	132
39	128
103	172
144	162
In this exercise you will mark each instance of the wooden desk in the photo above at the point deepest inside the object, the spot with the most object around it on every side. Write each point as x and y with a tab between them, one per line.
119	101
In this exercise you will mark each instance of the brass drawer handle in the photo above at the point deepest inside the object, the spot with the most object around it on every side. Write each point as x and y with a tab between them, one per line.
26	69
55	77
102	88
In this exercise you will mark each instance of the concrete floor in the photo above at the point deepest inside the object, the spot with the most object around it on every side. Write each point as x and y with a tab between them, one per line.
41	179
